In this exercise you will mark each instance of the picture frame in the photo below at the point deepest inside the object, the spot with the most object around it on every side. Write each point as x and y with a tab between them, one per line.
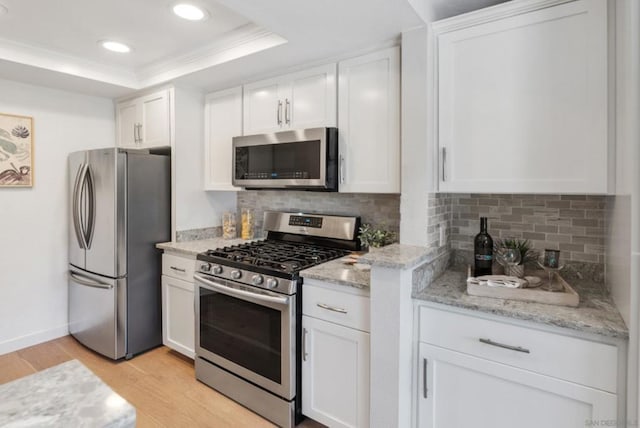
16	151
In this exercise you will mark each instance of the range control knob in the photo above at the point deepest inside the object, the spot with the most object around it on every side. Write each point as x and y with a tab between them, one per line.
257	279
272	283
205	267
236	274
217	269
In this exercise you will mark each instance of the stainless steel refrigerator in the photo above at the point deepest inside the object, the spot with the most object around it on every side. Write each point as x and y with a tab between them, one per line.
119	209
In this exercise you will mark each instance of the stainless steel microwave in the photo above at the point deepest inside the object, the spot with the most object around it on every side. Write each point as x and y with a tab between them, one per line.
305	159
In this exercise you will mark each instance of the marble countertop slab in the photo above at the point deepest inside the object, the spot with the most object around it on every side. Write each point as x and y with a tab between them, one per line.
596	313
192	248
338	272
67	395
397	256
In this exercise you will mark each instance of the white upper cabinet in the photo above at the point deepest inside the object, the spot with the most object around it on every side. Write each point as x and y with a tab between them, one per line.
369	123
305	99
144	122
223	121
522	98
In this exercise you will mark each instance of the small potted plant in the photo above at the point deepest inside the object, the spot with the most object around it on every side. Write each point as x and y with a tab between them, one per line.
374	237
523	246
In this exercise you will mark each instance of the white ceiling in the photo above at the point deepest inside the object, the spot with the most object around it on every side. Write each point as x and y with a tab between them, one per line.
55	43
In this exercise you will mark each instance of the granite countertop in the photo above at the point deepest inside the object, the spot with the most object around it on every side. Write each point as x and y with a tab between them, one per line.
192	248
67	395
341	273
397	256
596	313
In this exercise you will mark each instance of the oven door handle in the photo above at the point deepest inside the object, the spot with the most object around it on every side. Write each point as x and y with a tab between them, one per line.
241	293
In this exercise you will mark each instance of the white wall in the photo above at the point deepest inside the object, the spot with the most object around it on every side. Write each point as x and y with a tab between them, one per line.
33	221
195	208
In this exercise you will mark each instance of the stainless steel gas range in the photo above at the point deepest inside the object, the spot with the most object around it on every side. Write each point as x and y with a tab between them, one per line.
249	310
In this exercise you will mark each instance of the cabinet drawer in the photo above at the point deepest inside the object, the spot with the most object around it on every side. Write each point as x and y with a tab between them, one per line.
178	267
345	309
576	360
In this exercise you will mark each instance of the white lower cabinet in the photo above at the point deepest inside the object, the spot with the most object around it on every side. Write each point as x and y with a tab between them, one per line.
178	313
466	391
474	372
335	361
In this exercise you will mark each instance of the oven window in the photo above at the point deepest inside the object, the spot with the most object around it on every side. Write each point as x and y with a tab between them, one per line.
286	161
243	332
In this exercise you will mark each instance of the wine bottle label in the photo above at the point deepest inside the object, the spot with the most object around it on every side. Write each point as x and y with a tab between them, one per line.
486	257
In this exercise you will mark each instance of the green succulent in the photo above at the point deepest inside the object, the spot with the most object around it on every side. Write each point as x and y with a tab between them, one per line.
375	237
527	252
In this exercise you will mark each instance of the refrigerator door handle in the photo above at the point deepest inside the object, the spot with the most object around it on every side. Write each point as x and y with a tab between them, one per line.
82	202
88	282
76	206
91	206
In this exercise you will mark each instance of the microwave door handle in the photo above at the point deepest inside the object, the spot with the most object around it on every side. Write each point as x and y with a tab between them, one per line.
241	294
76	206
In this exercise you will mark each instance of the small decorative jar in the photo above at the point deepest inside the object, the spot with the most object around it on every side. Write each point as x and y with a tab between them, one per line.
229	225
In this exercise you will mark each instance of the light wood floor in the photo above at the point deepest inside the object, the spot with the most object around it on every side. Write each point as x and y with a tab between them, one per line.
160	384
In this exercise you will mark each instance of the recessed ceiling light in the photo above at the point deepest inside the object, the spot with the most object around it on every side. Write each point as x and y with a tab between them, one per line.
115	46
190	12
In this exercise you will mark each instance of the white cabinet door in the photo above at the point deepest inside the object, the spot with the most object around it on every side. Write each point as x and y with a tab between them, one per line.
311	100
522	100
459	391
369	123
155	120
145	122
127	118
263	108
335	374
223	121
178	315
306	99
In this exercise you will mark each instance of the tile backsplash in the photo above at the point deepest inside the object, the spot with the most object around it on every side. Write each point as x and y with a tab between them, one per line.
382	210
573	224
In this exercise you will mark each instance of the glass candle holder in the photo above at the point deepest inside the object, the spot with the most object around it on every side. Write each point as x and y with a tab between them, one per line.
551	259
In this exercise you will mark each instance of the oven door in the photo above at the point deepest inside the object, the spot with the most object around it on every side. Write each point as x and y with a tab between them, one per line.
247	331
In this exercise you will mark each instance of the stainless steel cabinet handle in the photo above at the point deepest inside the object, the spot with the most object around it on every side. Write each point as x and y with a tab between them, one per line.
425	391
89	283
279	113
139	133
444	163
502	345
178	269
331	308
342	169
135	132
304	344
287	108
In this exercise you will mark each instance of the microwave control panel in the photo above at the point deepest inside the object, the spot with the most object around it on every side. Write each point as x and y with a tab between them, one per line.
305	221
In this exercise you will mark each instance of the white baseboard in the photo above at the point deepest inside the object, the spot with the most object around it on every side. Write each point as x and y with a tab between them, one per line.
21	342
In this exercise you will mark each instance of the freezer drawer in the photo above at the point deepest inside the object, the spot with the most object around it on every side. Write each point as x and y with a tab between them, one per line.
97	310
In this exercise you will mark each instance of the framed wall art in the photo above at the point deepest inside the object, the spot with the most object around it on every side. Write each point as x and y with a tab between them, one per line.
16	151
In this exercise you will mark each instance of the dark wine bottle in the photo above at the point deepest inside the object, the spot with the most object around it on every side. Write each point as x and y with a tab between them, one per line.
483	250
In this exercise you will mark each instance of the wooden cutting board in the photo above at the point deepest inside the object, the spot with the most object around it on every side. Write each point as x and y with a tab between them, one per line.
568	297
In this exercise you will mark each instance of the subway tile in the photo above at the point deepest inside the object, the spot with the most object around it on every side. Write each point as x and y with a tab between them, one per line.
534	236
552	237
590	205
571	247
569	213
571	230
584	257
533	203
486	201
511	218
594	240
584	222
535	219
524	227
594	249
544	228
558	204
546	197
573	197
